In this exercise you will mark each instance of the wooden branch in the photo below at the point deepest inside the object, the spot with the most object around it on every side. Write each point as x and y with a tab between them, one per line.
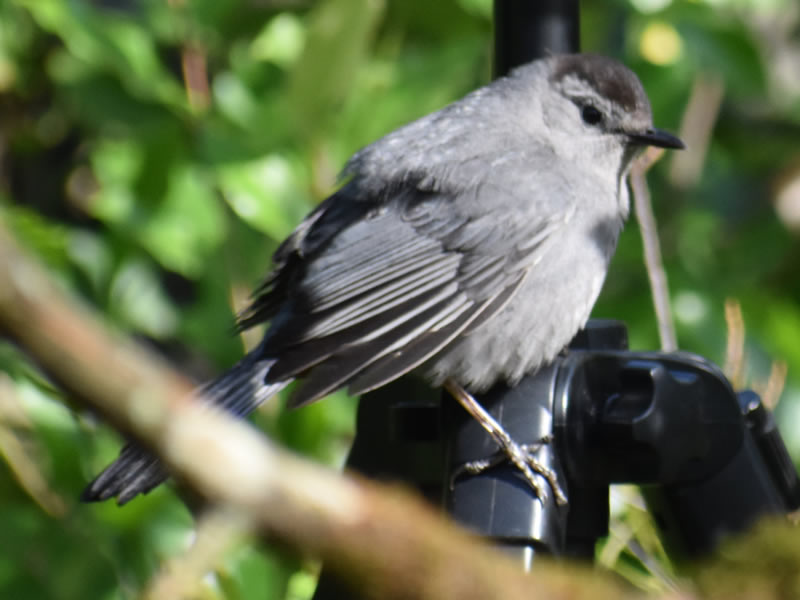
382	542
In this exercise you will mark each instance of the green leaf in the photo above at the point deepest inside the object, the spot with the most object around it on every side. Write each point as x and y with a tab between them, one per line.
136	298
280	41
179	243
338	37
266	193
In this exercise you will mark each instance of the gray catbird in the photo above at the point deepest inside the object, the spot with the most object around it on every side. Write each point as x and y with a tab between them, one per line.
469	245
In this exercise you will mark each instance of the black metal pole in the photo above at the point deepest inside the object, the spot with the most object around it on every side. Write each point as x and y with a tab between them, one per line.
495	503
528	29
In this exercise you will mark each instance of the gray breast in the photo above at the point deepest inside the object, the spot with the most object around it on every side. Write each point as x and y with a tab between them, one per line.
553	303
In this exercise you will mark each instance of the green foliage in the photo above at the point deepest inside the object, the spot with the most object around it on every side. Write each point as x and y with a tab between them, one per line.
153	154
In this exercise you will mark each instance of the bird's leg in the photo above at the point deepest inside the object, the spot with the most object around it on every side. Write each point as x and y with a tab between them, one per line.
519	455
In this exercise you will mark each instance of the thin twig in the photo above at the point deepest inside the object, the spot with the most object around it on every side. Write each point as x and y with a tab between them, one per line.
734	349
195	77
697	125
771	391
194	66
217	530
652	249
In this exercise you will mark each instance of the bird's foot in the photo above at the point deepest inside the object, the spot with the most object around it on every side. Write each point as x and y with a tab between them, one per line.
476	467
521	455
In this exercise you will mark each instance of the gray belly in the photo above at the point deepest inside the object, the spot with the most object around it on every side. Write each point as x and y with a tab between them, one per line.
552	304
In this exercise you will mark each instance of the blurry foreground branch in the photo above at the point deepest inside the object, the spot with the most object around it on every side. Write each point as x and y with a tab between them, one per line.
382	542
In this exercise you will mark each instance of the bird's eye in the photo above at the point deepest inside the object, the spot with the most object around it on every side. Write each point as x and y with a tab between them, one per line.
590	115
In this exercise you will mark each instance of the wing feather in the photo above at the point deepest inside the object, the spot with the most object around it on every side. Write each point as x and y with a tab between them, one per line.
295	359
348	362
379	295
404	286
399	362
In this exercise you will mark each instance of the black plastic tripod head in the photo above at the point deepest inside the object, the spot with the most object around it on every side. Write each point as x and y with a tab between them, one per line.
712	460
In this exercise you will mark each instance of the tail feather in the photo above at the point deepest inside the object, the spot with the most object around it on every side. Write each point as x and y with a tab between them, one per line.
238	391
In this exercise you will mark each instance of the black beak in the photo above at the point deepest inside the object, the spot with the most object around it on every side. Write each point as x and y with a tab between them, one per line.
657	137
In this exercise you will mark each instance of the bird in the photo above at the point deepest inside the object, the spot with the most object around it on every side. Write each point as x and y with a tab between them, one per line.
468	246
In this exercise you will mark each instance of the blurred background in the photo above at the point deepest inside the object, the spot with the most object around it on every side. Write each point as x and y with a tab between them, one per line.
153	153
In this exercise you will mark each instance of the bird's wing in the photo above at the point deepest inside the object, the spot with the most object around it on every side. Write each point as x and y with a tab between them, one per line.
381	292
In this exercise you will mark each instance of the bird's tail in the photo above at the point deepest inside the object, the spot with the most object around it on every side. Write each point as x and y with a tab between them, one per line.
238	391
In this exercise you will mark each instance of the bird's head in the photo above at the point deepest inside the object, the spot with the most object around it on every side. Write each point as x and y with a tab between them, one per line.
597	108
